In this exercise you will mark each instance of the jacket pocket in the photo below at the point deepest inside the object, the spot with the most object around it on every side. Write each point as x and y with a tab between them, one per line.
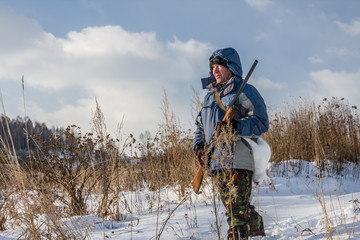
243	157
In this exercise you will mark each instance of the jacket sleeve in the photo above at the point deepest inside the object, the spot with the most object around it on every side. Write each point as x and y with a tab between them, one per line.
255	122
199	136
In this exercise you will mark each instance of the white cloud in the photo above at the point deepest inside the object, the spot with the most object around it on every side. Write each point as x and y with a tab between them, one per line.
315	59
259	3
111	40
263	83
261	36
11	36
126	71
338	52
352	29
78	113
327	83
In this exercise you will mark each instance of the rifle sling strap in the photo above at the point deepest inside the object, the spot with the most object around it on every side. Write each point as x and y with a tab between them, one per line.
218	100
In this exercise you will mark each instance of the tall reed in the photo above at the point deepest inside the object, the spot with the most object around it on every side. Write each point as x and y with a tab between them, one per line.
62	175
333	125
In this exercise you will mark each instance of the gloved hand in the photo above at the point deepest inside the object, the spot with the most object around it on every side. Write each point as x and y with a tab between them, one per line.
200	154
222	125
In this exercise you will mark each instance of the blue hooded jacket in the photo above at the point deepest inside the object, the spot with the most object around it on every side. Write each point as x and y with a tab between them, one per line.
251	115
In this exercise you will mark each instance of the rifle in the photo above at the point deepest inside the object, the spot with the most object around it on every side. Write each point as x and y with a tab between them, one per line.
196	182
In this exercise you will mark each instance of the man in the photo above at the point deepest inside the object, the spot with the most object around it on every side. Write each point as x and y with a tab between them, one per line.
232	164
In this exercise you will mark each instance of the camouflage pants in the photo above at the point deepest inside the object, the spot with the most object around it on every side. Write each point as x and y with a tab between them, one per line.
235	192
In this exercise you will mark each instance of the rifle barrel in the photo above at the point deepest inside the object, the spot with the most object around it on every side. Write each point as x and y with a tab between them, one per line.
244	83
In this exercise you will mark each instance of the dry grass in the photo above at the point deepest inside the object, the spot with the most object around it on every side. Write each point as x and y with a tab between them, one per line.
327	134
61	175
306	129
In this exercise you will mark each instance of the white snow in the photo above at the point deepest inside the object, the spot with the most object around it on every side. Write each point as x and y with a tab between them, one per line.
295	209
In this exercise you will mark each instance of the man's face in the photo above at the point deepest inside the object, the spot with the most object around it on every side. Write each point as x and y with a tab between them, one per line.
221	73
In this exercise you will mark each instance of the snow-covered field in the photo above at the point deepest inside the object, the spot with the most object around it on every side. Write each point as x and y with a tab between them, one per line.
300	207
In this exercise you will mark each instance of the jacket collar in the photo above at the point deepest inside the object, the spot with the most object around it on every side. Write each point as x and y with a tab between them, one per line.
224	88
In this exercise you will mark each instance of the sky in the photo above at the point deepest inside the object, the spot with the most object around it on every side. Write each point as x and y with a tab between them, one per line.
127	55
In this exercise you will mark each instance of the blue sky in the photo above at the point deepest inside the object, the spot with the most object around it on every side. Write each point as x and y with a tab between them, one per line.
126	53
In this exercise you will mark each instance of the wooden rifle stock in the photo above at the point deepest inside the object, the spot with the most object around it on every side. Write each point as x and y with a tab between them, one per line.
196	182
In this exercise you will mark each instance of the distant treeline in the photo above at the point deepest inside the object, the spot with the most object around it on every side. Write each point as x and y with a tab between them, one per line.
21	131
